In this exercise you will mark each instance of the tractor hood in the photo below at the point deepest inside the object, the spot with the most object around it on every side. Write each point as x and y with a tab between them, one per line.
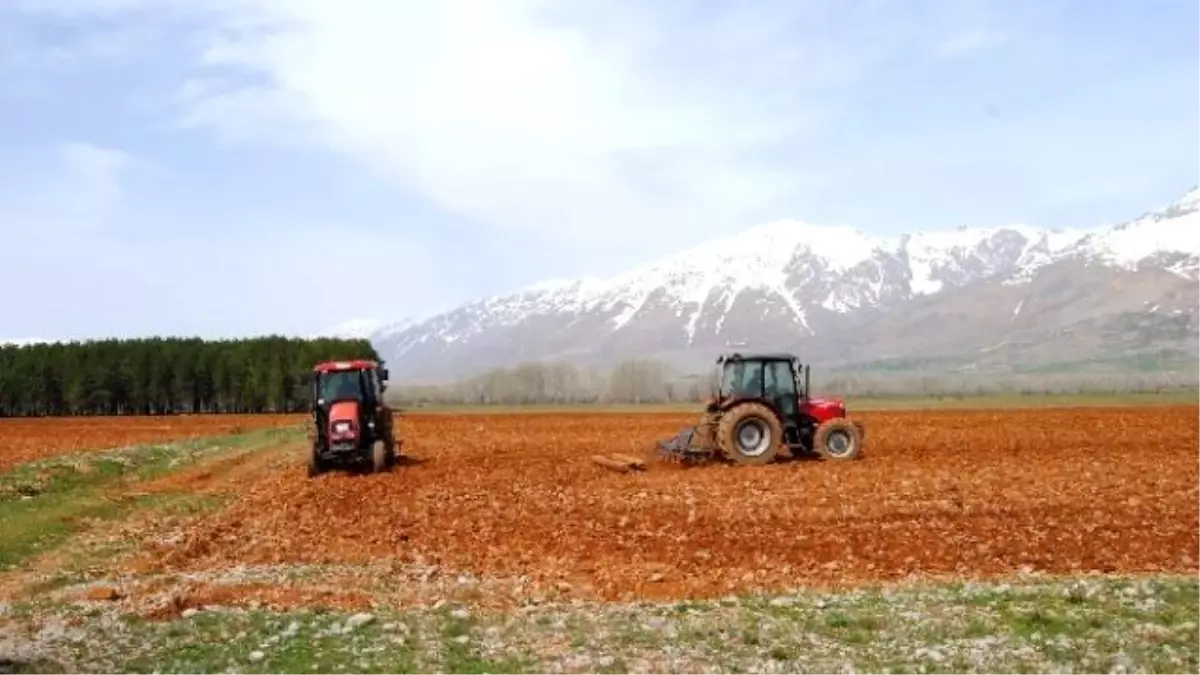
822	408
343	418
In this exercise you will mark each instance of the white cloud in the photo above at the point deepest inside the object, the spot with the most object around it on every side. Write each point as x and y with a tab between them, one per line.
592	126
97	173
293	277
82	189
521	120
585	123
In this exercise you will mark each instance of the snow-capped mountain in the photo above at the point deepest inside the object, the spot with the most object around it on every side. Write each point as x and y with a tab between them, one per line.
820	288
1168	238
365	328
387	330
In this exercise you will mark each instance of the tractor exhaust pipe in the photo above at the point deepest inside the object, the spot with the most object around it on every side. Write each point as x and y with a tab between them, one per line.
807	383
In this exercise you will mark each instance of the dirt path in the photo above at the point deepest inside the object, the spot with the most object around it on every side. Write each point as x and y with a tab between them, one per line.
228	474
153	508
24	440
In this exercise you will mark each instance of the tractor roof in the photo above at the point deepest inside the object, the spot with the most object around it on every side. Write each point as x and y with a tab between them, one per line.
758	356
341	366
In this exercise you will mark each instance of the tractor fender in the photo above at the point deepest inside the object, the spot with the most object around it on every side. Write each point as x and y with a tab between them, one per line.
724	405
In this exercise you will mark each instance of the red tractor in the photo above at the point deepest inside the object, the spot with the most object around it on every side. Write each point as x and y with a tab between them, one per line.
351	421
762	405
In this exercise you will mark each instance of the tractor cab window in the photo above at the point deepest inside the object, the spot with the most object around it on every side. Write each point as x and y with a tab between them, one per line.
780	380
743	378
341	385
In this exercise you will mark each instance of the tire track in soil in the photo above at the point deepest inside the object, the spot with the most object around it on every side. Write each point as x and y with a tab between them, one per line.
939	494
227	473
224	473
28	439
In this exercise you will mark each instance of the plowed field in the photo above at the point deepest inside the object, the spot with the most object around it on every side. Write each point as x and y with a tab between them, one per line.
939	493
23	440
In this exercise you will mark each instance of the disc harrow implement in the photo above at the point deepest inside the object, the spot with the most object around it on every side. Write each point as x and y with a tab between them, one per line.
692	446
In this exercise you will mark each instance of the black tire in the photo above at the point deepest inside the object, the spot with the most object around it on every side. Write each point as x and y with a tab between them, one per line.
839	439
750	434
862	430
315	466
379	456
392	457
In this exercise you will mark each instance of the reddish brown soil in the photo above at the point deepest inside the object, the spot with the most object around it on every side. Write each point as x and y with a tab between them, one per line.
949	493
24	440
219	475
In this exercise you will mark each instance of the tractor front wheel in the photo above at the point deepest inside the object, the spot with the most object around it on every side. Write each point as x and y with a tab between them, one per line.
315	465
379	456
750	434
839	439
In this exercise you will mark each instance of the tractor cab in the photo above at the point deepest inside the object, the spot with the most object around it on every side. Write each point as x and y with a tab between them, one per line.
779	380
339	381
351	420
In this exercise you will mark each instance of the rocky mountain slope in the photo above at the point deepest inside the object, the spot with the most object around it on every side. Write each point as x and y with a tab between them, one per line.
1000	298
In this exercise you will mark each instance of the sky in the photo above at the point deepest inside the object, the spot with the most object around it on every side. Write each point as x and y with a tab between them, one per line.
238	167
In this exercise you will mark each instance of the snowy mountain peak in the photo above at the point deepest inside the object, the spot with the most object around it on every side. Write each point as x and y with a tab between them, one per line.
398	326
1189	203
797	267
559	284
775	243
797	277
1172	231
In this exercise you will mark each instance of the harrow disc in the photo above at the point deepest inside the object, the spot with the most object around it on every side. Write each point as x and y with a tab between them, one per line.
688	447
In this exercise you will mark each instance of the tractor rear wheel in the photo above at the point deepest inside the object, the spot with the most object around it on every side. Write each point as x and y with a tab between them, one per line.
706	431
750	434
379	456
391	454
839	439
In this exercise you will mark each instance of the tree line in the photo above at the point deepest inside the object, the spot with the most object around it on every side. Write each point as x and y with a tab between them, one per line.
560	382
156	376
272	374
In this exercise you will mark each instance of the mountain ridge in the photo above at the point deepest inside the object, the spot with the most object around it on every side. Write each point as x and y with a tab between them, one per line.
789	281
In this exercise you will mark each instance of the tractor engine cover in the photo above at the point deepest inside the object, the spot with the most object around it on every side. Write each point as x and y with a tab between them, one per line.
824	409
343	423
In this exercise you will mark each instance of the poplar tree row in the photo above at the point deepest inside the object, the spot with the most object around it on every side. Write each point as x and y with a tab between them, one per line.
158	376
634	381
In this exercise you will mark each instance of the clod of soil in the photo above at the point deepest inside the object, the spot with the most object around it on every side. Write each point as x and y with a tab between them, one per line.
102	593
